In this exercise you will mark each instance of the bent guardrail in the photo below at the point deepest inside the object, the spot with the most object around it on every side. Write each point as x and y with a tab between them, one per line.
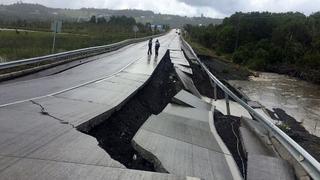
310	164
85	52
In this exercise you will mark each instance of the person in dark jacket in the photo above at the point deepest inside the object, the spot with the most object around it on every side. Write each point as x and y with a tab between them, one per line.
156	47
150	47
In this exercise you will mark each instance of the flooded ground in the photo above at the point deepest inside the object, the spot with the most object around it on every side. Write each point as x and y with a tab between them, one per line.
300	99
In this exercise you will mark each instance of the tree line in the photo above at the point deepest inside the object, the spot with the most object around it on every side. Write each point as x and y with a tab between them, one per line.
95	25
286	43
18	44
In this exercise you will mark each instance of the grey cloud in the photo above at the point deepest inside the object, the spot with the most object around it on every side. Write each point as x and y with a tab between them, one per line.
213	8
224	6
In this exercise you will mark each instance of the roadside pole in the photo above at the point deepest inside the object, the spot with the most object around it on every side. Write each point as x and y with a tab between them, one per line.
135	30
54	40
56	28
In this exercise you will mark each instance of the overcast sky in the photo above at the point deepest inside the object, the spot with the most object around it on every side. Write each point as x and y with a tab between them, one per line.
211	8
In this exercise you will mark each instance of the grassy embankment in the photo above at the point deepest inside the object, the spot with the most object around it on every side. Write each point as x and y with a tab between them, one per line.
14	46
18	44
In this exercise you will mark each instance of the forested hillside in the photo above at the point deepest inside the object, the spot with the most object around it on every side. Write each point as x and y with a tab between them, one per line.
36	12
287	43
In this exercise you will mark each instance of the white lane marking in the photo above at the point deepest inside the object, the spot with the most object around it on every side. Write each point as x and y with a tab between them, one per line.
71	88
93	58
74	87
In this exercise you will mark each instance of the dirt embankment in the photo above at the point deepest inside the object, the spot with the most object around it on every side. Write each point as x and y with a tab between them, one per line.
294	129
225	70
115	133
298	133
227	126
311	75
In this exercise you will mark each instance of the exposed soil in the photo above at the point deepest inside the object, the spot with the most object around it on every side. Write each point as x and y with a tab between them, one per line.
296	131
202	81
225	70
311	75
225	125
115	133
299	134
228	129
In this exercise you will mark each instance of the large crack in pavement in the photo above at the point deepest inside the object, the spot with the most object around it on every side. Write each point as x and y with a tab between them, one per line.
115	133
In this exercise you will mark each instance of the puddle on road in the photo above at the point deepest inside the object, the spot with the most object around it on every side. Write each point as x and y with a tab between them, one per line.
300	99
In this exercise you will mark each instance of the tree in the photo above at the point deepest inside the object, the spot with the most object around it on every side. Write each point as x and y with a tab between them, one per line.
93	19
101	20
262	40
226	39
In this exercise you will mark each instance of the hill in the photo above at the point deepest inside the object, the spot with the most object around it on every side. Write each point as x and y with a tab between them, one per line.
36	12
286	43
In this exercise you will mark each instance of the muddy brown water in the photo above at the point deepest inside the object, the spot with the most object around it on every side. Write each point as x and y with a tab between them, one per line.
300	99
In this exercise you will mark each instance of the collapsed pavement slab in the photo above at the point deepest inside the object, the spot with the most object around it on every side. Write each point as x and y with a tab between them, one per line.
192	113
252	144
181	66
185	146
184	69
176	54
235	108
177	57
186	98
187	82
264	161
265	168
188	52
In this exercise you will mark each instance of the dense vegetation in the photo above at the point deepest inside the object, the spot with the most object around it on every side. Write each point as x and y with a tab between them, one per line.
18	44
286	43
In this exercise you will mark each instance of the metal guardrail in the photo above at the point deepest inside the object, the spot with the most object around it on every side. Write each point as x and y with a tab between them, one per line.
311	165
74	53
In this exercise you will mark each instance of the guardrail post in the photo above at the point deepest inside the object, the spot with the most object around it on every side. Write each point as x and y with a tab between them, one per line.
215	91
214	85
227	103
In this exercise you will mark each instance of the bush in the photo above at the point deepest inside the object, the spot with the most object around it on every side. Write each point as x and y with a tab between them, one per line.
241	55
261	54
311	60
257	64
265	39
225	71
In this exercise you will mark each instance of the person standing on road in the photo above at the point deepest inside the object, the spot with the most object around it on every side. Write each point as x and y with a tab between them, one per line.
150	47
156	47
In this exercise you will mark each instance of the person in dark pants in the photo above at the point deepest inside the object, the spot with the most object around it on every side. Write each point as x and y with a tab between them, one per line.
156	47
150	47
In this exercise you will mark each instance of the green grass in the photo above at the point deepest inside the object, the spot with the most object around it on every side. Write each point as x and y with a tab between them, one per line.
15	46
201	50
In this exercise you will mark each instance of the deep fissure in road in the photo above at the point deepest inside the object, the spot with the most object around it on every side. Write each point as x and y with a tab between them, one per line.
228	129
115	133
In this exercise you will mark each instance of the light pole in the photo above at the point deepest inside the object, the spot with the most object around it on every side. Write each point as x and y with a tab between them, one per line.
56	28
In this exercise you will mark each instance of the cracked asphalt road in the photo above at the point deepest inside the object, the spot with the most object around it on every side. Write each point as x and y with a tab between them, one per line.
106	66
